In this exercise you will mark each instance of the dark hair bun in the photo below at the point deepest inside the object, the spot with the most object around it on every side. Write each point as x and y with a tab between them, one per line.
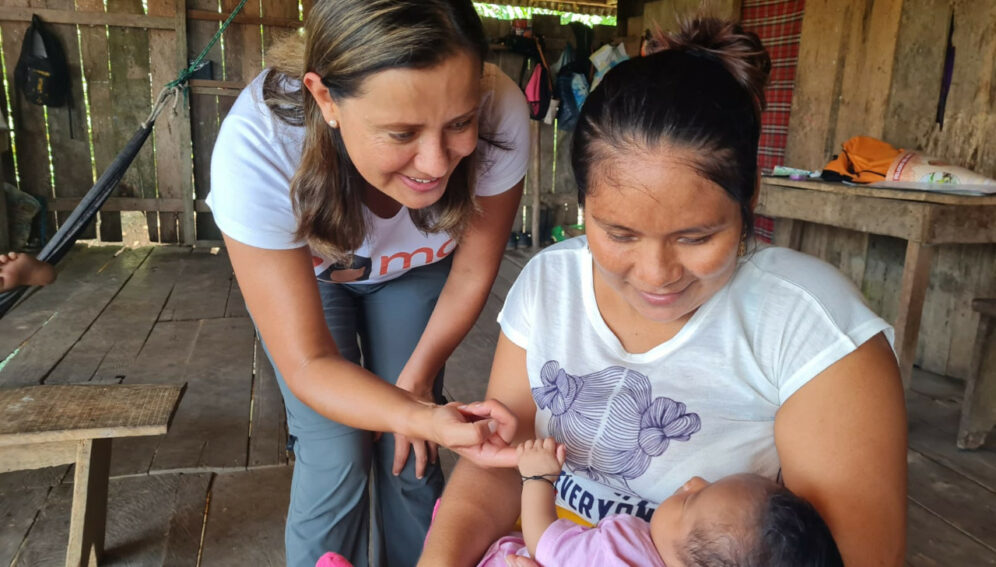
739	51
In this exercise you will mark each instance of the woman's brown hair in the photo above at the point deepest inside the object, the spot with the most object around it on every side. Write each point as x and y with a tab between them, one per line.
345	42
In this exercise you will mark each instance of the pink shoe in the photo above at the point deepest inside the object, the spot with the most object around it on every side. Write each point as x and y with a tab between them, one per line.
333	559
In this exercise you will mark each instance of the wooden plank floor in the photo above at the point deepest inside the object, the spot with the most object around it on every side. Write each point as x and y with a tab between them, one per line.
214	490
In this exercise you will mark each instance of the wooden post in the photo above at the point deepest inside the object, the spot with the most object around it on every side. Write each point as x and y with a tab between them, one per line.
913	289
174	168
89	516
978	409
788	233
534	179
4	218
188	232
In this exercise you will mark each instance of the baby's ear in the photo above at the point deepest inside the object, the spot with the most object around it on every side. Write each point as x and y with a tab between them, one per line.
561	454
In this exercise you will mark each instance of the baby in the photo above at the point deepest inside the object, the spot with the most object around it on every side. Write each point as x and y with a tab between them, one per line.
741	520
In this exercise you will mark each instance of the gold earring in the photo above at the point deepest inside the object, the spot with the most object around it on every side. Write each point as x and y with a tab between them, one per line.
334	123
742	249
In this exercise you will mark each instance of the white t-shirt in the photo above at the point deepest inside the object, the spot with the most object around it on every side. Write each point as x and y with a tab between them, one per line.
638	426
257	154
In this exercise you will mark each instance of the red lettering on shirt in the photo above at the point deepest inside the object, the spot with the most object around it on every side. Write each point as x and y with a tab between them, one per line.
406	259
443	252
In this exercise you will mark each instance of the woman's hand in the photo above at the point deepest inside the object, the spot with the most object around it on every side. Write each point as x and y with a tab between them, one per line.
480	431
425	451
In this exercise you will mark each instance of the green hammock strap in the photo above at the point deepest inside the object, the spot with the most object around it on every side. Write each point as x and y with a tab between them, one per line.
185	74
175	87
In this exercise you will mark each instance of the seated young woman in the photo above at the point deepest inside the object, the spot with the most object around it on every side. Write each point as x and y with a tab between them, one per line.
665	344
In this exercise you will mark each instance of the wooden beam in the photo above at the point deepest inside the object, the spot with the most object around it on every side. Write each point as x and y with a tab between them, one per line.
33	456
188	230
88	520
4	215
132	204
891	217
217	84
87	18
79	412
913	290
174	176
217	88
582	7
978	408
215	91
533	180
207	15
883	193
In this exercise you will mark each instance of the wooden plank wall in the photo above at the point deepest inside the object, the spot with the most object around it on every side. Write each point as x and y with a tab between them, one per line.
116	55
125	54
874	67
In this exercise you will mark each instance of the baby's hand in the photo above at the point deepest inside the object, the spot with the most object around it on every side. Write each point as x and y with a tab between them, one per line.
541	457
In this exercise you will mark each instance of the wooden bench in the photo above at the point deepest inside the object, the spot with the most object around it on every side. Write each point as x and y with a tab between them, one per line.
978	409
43	426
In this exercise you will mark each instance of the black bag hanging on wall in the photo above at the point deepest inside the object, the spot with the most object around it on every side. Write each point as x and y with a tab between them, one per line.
42	73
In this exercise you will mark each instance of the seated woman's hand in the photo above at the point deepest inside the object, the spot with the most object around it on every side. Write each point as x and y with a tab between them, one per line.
480	431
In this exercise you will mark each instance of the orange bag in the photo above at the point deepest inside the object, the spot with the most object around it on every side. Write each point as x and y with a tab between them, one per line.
864	159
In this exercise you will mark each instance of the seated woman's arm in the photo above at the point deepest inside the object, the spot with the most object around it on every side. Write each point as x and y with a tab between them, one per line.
480	505
842	443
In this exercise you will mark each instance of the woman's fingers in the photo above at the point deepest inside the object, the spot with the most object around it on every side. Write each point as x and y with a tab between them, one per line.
421	457
424	453
479	431
506	420
433	451
401	450
490	456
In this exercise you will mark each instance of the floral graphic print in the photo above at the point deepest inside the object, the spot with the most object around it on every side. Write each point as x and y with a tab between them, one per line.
609	422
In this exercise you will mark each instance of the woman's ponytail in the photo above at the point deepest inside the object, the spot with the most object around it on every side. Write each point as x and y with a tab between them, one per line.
739	51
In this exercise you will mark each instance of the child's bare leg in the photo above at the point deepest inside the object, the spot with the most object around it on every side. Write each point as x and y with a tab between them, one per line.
18	269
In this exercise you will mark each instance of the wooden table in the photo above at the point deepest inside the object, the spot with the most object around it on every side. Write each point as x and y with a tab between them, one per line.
43	426
922	218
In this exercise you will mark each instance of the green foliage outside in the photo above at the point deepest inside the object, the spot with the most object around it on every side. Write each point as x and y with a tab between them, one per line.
502	12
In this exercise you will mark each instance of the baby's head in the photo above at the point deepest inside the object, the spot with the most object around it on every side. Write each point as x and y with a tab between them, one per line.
742	520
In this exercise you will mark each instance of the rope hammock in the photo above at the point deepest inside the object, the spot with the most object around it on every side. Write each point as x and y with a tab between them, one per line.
62	241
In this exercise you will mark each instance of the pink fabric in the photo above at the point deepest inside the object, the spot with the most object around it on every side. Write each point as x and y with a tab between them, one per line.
617	541
332	559
512	544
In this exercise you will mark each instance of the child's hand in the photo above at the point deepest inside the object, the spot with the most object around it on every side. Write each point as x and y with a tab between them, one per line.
541	457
